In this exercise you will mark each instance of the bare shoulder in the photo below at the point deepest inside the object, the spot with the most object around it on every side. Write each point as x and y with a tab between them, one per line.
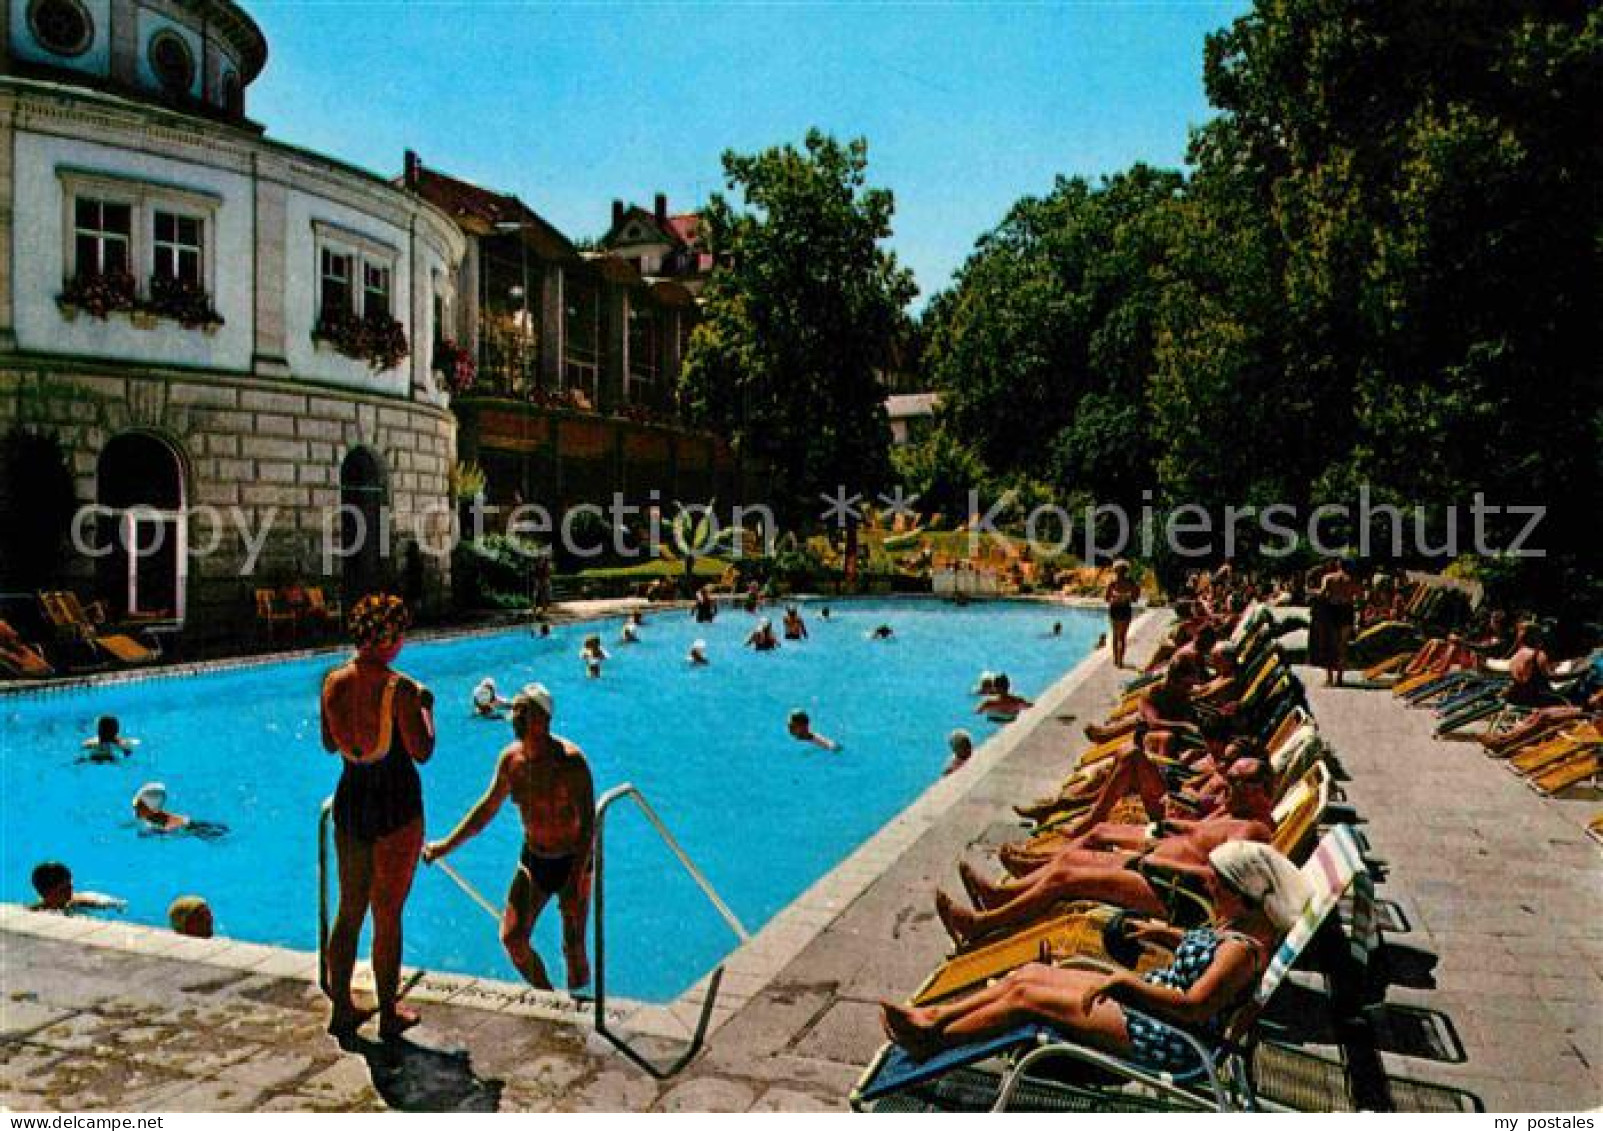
572	753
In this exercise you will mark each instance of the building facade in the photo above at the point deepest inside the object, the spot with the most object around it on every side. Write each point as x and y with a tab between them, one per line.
576	359
205	320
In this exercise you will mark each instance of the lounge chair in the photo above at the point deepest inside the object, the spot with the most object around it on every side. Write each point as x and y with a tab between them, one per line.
1219	1082
20	659
1594	828
74	622
270	616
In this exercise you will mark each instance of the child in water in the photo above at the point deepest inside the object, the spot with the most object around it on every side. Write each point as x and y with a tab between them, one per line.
593	654
108	744
801	729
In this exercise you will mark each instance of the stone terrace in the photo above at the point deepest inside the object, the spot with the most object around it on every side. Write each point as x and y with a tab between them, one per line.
1500	884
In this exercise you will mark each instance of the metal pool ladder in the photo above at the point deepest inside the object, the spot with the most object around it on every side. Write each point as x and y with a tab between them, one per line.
616	794
608	799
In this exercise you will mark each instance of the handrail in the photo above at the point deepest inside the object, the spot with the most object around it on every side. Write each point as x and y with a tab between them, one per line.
618	793
324	816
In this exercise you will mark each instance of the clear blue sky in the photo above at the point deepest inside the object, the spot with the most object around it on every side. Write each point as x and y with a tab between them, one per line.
966	107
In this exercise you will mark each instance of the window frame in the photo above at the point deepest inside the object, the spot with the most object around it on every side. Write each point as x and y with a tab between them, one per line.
365	252
145	198
643	374
77	50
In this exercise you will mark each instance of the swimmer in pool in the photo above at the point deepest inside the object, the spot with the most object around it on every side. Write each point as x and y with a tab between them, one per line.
762	638
593	654
629	633
883	632
487	701
801	729
108	744
1002	705
52	880
1057	628
150	808
962	746
795	627
986	685
549	781
697	656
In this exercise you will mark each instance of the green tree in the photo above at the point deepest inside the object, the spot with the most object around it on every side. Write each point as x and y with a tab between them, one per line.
801	318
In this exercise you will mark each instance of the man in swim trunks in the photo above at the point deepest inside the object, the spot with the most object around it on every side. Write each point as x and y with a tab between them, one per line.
549	781
1003	705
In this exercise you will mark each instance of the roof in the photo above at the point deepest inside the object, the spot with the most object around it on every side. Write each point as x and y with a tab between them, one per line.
478	211
666	233
901	406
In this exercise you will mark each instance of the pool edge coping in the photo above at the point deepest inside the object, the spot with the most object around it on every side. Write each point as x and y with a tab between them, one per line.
748	969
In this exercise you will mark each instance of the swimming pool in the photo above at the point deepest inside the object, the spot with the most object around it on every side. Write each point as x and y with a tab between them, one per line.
763	815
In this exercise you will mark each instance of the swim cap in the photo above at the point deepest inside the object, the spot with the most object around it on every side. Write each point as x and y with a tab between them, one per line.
765	623
1263	878
152	793
698	646
534	695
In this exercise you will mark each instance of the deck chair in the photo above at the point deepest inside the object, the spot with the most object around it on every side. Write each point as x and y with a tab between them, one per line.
1076	927
270	616
20	659
1220	1081
1594	828
1583	765
76	623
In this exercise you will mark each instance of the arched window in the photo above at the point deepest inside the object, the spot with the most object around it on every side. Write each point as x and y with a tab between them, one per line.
172	61
231	96
363	494
62	27
140	489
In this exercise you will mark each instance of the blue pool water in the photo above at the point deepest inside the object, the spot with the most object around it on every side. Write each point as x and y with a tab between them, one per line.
763	815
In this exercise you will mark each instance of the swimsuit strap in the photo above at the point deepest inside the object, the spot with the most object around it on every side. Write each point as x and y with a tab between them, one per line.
385	726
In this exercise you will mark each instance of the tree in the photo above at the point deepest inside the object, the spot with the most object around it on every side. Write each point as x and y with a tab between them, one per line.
1050	329
800	319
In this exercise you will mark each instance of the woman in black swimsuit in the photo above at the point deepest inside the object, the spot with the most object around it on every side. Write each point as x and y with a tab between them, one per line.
381	724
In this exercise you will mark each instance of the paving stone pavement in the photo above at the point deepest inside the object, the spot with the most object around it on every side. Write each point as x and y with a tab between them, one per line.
1500	883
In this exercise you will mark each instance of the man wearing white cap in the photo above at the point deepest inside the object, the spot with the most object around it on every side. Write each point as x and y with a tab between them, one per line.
549	781
697	654
150	806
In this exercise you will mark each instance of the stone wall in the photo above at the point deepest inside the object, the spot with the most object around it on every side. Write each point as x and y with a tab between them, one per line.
267	454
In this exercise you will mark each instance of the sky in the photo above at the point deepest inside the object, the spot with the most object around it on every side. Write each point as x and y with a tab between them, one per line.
966	106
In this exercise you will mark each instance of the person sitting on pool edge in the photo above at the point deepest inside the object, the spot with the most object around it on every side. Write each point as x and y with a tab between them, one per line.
962	746
150	808
593	654
549	781
800	727
52	880
1256	896
108	744
487	701
1002	706
697	656
190	915
762	638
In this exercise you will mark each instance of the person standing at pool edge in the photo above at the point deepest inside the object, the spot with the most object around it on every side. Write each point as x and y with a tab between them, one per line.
549	781
382	726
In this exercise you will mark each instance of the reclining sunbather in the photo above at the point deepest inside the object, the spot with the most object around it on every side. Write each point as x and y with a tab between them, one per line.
1122	873
1539	723
1256	895
1184	792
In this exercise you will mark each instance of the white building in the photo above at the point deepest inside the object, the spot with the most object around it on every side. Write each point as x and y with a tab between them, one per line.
199	315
